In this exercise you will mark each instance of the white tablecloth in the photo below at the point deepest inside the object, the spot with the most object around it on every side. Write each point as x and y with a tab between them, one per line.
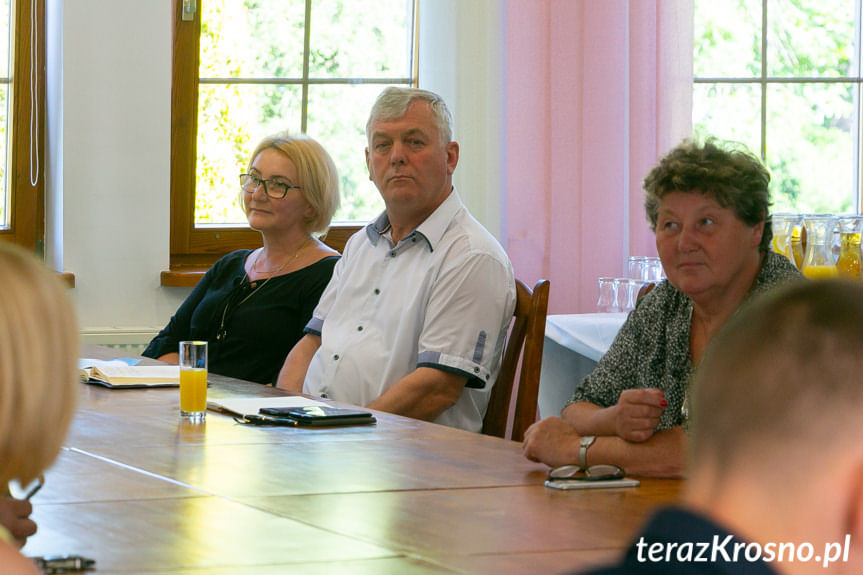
573	345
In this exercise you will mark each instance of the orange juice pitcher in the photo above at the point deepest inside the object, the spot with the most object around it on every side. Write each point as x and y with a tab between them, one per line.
783	226
850	230
818	261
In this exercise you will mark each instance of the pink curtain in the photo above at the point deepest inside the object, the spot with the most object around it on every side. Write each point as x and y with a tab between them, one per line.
596	92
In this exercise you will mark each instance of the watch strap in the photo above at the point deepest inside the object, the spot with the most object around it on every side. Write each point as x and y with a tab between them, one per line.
583	446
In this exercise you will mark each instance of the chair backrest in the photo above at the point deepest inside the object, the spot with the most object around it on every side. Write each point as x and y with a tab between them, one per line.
644	290
528	332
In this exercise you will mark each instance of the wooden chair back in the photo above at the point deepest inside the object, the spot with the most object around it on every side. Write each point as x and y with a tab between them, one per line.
525	342
644	290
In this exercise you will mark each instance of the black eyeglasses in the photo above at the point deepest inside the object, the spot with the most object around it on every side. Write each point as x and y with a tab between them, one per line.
599	472
273	188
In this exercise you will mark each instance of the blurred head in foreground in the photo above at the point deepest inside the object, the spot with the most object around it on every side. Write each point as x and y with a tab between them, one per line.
777	440
38	365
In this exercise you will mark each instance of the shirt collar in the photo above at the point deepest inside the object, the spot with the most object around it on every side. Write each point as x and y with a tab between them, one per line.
431	229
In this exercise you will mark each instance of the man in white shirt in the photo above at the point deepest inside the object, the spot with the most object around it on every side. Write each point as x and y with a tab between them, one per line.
414	319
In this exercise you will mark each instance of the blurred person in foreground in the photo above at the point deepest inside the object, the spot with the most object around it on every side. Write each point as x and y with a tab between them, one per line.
38	385
776	461
708	206
252	305
415	317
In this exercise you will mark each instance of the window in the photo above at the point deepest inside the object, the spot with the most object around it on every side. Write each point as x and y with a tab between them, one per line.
247	69
784	77
22	109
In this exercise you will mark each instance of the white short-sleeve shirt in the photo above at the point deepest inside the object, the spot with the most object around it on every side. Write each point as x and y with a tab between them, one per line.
442	298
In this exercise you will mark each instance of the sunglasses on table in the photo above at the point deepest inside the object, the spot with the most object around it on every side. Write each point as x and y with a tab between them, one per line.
599	472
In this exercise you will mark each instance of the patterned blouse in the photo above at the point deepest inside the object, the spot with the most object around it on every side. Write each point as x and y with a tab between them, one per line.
652	347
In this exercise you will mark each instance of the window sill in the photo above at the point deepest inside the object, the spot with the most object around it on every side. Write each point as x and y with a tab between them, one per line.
67	278
188	269
186	277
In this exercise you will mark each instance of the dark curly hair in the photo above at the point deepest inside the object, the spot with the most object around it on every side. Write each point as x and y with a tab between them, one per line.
728	171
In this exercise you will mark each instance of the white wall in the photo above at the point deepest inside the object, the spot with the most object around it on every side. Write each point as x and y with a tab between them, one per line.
116	90
110	120
461	54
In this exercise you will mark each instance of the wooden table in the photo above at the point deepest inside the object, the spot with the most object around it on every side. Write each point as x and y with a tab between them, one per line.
141	492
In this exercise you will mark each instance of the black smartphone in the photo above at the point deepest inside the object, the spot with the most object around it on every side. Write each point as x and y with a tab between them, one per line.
321	415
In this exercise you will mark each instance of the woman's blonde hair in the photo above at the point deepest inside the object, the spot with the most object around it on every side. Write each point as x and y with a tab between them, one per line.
319	178
38	365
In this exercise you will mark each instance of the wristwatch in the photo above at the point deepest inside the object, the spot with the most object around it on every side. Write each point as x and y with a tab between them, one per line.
583	445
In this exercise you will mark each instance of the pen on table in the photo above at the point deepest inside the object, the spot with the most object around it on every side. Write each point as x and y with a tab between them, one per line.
258	419
40	481
64	563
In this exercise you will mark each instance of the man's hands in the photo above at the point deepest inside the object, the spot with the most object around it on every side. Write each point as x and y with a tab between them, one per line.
15	516
637	413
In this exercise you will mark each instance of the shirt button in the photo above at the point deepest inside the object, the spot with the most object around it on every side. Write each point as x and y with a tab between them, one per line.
377	291
359	328
476	370
393	254
336	357
414	240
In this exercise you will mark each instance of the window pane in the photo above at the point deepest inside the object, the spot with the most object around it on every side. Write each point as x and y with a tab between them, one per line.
810	147
252	39
810	38
337	119
260	40
5	16
232	120
361	39
5	41
729	112
727	38
4	181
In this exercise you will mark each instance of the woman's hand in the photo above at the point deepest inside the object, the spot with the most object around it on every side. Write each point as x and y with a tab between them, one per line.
551	441
637	413
172	358
15	517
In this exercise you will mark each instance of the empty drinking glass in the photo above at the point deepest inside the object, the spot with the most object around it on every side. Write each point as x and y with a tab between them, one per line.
627	293
637	267
607	301
655	272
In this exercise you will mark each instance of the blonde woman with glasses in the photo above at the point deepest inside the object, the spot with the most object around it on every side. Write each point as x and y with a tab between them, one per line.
252	305
38	380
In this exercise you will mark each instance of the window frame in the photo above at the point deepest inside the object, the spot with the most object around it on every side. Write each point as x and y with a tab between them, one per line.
193	250
763	80
26	201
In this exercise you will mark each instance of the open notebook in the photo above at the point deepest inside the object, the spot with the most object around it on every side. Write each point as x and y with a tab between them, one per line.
119	375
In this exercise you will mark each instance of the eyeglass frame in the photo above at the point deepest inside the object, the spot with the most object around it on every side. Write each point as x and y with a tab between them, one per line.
34	489
616	473
260	181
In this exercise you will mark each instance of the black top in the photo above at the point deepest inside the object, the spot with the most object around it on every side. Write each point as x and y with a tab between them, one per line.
258	332
690	544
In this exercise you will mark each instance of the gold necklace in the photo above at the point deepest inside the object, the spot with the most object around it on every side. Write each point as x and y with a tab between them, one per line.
284	265
222	332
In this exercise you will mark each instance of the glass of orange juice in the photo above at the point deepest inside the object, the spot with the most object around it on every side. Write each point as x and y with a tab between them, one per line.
193	380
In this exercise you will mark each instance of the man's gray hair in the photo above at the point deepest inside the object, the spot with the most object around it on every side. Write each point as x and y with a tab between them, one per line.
393	103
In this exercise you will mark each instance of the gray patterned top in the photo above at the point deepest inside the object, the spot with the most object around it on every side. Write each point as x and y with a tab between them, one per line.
652	347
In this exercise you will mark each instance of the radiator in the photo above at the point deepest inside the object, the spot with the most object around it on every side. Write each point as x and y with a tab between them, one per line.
128	340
